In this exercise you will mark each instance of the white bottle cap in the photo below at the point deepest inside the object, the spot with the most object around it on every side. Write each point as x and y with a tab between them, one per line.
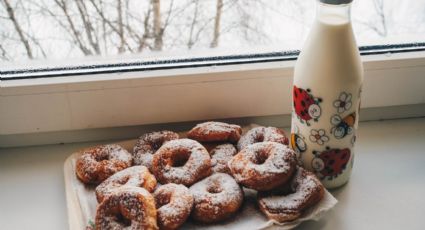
336	2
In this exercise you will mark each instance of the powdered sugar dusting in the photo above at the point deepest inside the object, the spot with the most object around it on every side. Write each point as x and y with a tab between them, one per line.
279	160
118	153
174	204
148	144
214	193
260	134
303	186
137	176
215	131
135	204
211	126
220	156
98	163
198	164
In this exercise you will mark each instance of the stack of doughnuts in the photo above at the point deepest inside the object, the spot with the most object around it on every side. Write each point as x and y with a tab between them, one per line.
167	179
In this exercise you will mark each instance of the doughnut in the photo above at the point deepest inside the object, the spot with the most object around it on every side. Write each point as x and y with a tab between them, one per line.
96	164
263	166
181	161
137	176
262	134
305	191
148	144
220	156
213	131
216	198
127	208
174	203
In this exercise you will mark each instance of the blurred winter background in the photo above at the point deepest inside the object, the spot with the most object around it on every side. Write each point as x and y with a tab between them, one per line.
64	29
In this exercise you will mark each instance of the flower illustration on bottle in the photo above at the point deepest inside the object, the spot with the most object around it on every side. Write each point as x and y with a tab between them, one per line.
330	163
342	126
306	106
318	136
343	103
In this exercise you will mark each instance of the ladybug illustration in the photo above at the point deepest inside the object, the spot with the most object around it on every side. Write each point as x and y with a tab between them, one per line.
305	105
343	127
331	162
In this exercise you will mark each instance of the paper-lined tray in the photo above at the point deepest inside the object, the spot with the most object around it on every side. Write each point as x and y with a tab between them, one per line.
81	204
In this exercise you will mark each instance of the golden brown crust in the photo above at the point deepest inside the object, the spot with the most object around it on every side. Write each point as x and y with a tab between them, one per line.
136	176
181	161
290	203
148	144
215	131
127	207
96	164
174	203
263	166
216	198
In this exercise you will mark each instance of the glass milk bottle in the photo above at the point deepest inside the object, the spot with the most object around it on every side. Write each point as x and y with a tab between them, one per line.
326	95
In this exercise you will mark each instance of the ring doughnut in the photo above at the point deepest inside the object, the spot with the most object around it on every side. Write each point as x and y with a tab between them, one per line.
216	198
262	134
127	208
305	191
174	203
98	163
263	166
213	131
181	161
136	176
148	144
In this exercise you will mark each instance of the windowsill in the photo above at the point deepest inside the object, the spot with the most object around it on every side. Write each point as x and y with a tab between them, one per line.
375	195
87	102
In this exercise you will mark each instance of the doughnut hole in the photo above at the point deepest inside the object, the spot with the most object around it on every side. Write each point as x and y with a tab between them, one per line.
260	156
157	144
214	189
101	157
162	199
180	158
124	180
259	138
119	218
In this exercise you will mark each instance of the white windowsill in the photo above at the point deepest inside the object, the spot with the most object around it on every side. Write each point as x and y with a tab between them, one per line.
152	97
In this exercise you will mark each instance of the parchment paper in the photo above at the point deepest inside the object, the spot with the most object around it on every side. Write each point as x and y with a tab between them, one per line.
82	198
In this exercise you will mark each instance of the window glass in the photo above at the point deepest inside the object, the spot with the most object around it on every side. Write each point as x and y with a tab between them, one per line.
70	29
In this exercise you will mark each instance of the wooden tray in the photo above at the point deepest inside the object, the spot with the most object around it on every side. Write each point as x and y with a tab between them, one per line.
81	203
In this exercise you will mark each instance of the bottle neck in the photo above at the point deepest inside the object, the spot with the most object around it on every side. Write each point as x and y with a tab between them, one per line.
328	11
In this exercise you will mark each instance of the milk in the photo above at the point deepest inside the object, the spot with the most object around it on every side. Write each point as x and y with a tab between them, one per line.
326	96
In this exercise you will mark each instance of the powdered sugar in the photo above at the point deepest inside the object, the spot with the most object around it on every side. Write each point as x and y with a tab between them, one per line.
137	176
148	144
304	185
215	126
136	205
215	131
278	159
98	163
220	156
174	204
260	134
197	166
213	194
